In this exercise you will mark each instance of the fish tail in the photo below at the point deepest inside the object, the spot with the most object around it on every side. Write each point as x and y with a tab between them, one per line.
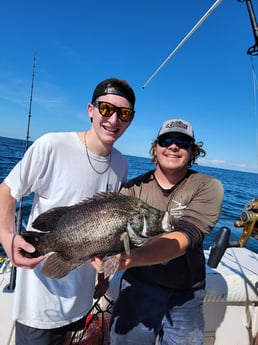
36	239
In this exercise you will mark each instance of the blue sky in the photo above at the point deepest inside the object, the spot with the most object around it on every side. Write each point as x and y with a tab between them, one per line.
209	81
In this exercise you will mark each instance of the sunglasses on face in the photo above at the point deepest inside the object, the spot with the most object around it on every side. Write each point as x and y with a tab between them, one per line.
166	142
107	110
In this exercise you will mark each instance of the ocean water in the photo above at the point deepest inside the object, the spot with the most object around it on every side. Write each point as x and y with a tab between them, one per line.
239	187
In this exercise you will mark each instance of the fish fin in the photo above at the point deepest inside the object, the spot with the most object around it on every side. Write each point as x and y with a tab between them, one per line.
145	228
47	221
56	267
110	265
166	226
126	241
136	240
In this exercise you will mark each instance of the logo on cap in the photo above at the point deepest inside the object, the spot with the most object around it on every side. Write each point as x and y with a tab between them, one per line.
177	124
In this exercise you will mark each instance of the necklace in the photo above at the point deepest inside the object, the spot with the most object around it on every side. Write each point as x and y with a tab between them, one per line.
88	156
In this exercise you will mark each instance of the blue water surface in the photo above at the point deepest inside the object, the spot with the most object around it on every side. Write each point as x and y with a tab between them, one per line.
239	187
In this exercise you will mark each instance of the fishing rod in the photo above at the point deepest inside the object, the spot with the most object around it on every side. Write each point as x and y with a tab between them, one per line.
253	50
249	216
11	286
19	215
199	23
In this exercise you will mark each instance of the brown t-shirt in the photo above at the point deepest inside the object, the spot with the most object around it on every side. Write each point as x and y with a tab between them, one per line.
194	204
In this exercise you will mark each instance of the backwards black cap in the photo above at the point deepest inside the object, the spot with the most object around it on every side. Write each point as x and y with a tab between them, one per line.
115	87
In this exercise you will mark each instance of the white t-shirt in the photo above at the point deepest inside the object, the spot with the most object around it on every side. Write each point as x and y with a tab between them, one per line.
57	170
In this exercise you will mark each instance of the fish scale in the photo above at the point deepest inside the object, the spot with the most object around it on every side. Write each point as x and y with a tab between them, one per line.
93	227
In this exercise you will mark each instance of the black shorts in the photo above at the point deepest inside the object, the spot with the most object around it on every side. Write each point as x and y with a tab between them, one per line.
25	335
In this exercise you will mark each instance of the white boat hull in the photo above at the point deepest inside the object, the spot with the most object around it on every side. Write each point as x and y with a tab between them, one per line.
231	302
6	302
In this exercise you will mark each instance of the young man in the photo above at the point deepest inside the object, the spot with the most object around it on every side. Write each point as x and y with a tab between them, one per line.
62	169
162	289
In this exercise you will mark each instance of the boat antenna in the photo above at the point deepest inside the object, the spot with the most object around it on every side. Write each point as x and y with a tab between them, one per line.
11	286
204	17
253	50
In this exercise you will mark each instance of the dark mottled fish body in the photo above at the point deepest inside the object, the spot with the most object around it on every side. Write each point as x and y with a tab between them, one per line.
90	228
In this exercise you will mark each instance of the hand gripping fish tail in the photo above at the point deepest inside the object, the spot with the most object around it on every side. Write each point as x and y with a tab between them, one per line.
105	225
